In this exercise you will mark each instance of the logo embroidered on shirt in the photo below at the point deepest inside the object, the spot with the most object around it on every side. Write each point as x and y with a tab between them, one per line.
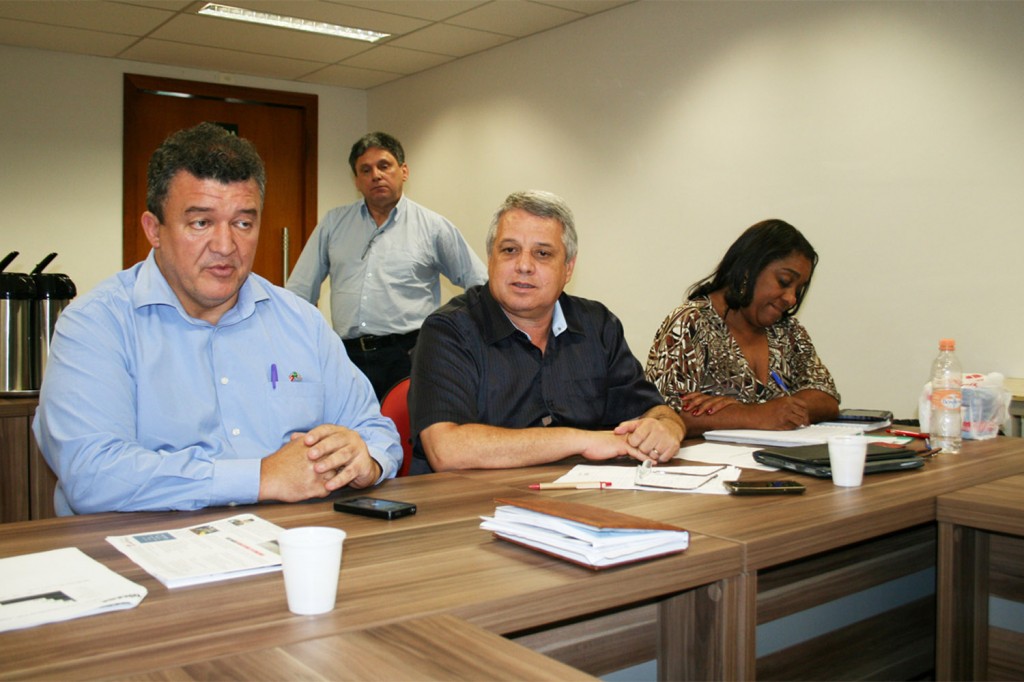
294	376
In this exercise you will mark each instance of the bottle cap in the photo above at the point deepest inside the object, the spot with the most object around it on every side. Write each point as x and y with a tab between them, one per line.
947	344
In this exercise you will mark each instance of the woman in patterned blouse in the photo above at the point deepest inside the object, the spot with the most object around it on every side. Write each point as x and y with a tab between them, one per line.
733	355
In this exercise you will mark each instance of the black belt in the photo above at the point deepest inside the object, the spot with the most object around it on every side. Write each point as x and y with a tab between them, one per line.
370	343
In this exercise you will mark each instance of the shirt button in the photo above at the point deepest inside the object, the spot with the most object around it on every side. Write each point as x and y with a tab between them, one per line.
235	432
223	380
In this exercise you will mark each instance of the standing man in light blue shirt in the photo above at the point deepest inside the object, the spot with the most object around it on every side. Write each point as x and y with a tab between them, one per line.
385	255
187	381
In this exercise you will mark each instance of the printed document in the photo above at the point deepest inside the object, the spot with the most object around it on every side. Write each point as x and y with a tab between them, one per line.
229	548
693	479
61	584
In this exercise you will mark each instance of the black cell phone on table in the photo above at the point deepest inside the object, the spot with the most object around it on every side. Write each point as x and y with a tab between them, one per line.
375	507
765	487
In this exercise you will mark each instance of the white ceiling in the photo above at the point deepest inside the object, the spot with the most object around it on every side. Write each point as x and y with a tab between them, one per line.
425	33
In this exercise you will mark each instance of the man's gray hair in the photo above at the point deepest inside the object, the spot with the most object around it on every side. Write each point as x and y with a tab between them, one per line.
543	205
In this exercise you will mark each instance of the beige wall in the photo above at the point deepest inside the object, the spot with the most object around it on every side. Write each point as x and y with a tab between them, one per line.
890	133
60	154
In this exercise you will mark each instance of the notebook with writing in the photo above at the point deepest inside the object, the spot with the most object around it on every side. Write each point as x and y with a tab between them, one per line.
813	459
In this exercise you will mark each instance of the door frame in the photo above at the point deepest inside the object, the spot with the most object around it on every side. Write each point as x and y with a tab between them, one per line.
136	85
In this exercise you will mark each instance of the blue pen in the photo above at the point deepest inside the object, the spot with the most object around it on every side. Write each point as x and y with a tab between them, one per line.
273	377
782	384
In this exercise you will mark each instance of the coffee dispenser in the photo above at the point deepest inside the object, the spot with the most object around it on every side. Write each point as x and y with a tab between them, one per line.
17	296
53	293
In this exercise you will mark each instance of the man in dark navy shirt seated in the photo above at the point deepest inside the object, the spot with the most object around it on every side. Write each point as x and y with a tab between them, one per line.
516	372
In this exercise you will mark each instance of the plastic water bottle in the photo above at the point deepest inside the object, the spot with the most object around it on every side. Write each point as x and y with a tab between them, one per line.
946	419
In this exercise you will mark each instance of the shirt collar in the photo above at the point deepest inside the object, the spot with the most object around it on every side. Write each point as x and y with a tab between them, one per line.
558	324
393	217
499	325
152	288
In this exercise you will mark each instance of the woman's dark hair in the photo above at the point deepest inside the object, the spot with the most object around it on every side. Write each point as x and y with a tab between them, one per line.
759	245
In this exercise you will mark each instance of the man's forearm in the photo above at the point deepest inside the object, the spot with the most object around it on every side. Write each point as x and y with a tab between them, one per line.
479	446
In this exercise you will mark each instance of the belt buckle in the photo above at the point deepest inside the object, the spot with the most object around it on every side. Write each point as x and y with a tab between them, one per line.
363	346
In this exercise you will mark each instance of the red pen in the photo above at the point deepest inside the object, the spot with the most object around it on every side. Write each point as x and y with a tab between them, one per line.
912	434
571	485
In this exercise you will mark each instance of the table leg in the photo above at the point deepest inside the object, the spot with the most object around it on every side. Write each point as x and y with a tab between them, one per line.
701	633
961	640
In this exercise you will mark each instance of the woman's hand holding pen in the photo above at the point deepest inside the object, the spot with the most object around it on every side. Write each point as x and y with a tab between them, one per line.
785	413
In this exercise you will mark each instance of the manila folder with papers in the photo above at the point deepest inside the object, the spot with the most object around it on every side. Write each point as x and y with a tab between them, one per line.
585	535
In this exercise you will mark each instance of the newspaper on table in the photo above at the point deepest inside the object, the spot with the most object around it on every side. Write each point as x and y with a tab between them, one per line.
217	550
60	584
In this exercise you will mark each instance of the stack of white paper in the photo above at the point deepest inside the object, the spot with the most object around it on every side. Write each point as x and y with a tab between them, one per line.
590	545
808	435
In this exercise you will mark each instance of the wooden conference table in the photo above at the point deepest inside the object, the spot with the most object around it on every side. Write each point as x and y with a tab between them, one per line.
981	542
437	577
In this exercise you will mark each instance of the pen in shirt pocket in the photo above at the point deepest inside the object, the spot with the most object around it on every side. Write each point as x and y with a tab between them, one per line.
273	376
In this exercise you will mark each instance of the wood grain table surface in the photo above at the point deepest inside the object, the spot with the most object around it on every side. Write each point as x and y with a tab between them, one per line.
436	562
777	529
429	648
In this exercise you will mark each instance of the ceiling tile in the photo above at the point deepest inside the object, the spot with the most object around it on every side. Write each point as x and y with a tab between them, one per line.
217	59
434	10
281	42
450	40
108	17
425	33
348	77
514	17
172	5
397	60
585	6
74	40
356	17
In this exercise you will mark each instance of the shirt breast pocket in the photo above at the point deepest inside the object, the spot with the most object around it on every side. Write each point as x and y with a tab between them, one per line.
296	406
587	400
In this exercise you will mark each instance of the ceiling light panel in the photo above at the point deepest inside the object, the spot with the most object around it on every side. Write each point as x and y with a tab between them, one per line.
295	23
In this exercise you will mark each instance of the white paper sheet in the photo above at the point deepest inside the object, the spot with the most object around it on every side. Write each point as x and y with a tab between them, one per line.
61	584
624	478
717	453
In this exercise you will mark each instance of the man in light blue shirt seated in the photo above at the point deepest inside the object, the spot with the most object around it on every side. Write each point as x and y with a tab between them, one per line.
385	255
187	381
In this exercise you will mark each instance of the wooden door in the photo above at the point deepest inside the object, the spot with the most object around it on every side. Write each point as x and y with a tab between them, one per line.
282	125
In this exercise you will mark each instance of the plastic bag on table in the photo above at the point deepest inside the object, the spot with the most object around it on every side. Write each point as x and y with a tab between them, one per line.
985	406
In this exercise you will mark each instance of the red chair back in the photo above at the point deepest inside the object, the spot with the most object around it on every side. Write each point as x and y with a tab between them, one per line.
395	406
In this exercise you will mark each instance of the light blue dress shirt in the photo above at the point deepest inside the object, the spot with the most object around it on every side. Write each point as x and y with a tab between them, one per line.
383	280
145	408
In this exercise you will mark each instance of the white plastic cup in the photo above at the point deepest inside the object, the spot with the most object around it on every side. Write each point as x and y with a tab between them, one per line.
846	455
311	561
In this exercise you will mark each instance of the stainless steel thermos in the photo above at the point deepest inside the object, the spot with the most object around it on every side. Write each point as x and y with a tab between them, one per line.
17	294
29	306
